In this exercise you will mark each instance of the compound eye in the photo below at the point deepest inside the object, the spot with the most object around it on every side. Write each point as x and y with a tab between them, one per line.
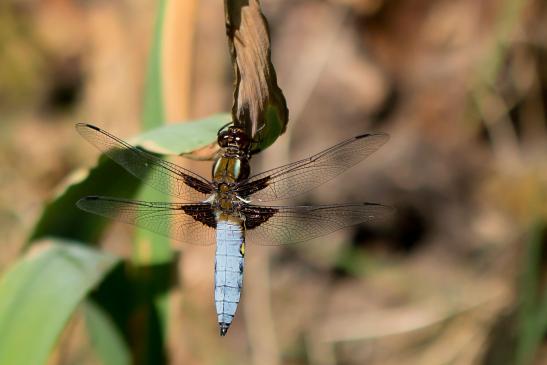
239	137
223	139
243	141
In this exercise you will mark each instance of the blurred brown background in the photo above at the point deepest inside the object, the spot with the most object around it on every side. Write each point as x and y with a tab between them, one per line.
461	86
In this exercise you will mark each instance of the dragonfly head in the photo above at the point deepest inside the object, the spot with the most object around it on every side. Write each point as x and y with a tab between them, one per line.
234	137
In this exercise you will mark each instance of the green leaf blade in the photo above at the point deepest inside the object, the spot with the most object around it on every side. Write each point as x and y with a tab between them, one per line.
105	338
39	294
183	138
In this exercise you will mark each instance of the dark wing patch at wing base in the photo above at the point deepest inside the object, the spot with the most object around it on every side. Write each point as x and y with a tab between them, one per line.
189	223
301	176
256	215
277	225
162	175
201	213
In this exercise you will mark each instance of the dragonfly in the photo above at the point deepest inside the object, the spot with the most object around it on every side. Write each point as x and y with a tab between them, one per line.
234	206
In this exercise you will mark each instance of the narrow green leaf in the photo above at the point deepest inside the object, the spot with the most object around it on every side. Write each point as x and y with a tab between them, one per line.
153	113
530	312
107	342
149	247
39	294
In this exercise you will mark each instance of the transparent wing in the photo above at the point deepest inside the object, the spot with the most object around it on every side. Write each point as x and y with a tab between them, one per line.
298	177
189	223
280	225
160	174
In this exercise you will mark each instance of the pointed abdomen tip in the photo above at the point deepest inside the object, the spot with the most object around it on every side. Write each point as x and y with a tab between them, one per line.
223	328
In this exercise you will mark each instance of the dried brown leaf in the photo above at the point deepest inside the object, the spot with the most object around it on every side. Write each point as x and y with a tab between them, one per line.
259	105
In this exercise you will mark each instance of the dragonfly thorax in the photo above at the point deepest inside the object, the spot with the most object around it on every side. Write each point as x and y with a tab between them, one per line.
226	200
227	169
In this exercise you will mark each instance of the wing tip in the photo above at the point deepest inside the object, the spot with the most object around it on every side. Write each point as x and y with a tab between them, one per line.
386	210
382	135
85	125
82	126
81	202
